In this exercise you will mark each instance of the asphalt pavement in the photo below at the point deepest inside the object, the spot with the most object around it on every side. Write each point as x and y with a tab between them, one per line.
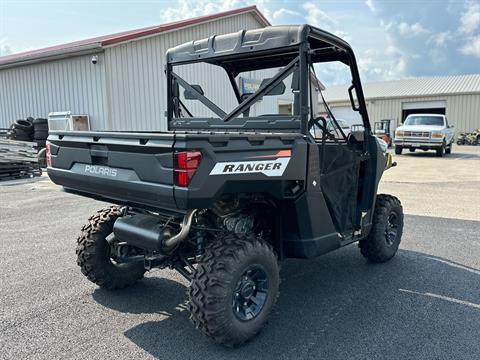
423	304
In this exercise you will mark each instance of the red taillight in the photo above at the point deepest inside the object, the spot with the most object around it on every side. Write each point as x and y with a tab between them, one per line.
185	164
48	154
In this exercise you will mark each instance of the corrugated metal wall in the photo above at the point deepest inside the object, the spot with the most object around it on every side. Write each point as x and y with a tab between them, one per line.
70	84
125	90
463	111
136	80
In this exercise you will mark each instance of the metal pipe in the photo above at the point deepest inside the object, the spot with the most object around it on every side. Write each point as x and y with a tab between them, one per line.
170	242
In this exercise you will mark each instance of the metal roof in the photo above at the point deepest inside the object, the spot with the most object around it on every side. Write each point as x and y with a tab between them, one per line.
97	43
424	86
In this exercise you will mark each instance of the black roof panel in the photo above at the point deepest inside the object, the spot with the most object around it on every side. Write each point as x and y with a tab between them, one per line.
249	43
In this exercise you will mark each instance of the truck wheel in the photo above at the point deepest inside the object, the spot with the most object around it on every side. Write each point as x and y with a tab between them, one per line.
234	289
384	238
448	150
398	150
441	151
94	254
411	149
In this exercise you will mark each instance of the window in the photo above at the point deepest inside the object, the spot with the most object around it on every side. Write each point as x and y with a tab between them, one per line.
424	120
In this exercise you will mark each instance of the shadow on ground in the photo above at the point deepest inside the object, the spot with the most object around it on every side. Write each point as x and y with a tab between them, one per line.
431	154
335	307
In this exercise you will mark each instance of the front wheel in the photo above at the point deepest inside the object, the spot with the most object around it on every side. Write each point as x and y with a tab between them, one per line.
95	254
448	150
386	233
398	150
441	151
234	288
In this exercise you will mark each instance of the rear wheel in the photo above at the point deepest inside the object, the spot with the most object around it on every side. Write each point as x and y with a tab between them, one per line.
234	289
398	150
96	257
386	233
412	149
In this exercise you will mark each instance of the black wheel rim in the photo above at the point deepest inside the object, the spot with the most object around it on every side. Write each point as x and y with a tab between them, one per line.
250	293
391	229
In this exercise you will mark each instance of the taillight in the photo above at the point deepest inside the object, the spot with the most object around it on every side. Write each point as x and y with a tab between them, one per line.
48	154
185	164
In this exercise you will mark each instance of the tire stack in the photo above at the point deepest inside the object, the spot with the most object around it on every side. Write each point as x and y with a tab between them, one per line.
40	132
21	130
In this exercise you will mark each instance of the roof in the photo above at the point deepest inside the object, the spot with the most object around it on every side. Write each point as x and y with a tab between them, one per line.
424	86
97	43
270	46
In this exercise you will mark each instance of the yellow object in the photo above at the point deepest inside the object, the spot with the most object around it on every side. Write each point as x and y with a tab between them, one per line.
389	163
437	136
399	133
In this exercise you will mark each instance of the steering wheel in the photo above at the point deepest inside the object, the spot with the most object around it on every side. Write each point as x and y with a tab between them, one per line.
323	126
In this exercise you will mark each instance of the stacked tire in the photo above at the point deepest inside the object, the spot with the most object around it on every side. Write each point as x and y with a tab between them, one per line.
21	130
30	129
40	131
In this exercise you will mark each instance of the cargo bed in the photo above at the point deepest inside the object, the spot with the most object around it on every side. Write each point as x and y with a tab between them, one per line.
136	168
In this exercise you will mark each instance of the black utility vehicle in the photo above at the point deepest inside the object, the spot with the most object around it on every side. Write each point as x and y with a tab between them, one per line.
227	193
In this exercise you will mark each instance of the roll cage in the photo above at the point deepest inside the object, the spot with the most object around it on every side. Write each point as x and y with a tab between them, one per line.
293	49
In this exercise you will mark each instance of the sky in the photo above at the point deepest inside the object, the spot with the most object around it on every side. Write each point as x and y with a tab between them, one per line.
391	39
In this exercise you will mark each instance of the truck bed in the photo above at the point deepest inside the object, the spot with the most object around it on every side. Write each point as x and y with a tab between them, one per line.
136	168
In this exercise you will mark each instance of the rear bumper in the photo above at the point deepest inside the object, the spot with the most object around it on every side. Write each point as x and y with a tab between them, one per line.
134	193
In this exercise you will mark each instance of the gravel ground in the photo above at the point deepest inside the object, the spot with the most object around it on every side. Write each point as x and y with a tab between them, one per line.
425	303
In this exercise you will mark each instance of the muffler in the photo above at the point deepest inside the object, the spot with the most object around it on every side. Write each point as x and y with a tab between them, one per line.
146	232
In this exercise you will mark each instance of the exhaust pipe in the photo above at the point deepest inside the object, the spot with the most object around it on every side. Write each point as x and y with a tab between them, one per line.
170	242
144	231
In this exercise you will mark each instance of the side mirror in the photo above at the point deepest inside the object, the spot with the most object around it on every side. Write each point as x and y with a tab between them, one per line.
451	126
190	95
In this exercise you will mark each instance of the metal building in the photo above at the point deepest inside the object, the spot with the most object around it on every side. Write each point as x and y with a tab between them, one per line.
118	80
456	96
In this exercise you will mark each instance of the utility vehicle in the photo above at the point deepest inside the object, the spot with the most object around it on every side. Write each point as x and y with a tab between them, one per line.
225	194
383	129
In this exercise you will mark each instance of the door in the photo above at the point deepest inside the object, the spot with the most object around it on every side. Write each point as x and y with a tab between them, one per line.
423	107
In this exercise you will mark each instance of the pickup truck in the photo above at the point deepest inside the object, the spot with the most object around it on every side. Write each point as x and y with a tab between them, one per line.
223	198
425	132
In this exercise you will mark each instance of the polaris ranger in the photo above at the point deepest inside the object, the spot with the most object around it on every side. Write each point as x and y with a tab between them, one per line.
225	194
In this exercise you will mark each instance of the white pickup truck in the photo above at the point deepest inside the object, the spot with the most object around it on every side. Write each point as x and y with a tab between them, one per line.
426	132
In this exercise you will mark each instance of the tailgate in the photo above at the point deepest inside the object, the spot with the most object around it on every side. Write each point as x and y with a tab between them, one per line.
130	168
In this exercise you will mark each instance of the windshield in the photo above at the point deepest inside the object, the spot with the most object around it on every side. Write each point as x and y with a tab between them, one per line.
243	94
198	97
424	120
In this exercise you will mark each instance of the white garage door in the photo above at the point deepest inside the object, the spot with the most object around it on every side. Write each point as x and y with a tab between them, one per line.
346	113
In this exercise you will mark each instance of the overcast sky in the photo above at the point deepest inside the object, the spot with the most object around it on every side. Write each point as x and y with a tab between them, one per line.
392	39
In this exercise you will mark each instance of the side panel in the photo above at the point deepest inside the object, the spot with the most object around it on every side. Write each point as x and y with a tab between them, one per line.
316	232
373	171
252	164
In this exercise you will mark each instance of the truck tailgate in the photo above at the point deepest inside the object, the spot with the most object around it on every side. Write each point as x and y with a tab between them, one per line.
131	168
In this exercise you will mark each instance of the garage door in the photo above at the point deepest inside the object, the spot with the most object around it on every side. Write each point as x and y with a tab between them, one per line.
346	113
423	107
